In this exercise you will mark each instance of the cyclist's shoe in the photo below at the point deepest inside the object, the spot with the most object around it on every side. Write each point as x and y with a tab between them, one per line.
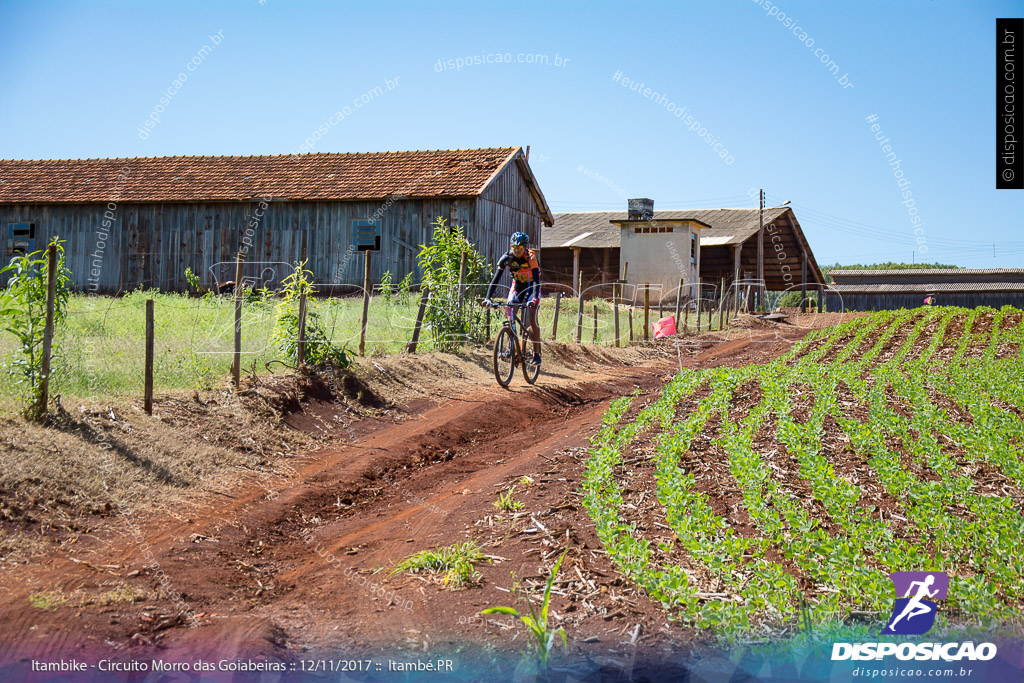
536	359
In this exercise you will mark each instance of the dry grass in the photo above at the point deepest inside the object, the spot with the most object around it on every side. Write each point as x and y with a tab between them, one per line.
94	460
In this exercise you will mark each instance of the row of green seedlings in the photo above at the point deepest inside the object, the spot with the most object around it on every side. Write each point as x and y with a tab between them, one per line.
836	501
763	586
819	556
956	541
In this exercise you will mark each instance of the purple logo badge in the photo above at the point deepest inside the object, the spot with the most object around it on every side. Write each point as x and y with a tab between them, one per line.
916	596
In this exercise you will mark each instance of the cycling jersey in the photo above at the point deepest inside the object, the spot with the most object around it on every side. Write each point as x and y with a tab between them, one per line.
525	274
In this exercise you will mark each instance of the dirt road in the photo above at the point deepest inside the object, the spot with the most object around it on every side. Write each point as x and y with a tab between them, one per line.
299	563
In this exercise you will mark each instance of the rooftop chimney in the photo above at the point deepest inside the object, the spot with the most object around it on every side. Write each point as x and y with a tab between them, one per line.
641	209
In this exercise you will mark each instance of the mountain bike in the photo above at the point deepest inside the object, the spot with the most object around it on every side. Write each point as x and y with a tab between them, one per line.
511	350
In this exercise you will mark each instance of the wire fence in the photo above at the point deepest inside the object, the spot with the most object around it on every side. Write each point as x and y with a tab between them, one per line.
100	349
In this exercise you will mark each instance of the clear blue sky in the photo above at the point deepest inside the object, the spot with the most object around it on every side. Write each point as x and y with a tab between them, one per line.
79	79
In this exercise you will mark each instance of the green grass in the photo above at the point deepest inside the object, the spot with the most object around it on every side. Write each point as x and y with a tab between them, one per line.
454	563
47	601
507	502
101	346
100	349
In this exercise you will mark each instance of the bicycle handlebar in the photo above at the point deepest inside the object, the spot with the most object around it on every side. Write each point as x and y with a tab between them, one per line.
505	304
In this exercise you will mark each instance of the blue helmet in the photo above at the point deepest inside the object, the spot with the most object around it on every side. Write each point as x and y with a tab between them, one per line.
519	239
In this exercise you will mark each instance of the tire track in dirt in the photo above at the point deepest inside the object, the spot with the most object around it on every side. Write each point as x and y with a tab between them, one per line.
247	566
262	533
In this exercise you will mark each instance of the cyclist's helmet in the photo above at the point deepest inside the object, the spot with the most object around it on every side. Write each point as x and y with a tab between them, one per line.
519	239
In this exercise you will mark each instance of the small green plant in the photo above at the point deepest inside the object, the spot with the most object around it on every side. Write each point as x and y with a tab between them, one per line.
386	287
320	350
193	281
451	325
507	502
537	624
47	601
455	562
405	286
23	314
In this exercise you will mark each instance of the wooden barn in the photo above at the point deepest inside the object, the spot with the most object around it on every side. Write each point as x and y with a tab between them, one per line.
885	290
725	241
143	221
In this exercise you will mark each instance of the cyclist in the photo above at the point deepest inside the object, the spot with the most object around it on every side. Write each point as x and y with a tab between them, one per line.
522	265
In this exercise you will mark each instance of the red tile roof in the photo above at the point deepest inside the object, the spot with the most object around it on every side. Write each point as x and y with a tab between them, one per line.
322	176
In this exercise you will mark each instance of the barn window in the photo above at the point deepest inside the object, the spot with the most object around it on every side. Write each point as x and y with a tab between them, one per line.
693	247
366	234
20	238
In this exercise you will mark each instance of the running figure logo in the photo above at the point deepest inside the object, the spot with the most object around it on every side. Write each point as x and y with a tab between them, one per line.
914	613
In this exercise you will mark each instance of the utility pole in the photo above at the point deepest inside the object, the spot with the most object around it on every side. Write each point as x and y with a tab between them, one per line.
760	252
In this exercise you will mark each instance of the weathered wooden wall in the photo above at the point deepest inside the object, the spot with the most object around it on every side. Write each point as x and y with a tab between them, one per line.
505	207
153	244
895	301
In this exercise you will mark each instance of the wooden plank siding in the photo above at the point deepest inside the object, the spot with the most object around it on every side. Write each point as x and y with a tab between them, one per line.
152	244
891	301
506	206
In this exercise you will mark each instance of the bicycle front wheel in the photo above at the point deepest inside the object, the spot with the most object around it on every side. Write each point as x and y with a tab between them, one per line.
504	356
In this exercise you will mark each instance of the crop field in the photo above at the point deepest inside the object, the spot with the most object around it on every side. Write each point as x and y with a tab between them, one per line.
771	498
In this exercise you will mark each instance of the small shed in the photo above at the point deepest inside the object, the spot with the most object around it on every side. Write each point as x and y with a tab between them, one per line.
727	247
646	241
886	290
144	221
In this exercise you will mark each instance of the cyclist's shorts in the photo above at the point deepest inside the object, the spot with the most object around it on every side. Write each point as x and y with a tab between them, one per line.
517	297
529	314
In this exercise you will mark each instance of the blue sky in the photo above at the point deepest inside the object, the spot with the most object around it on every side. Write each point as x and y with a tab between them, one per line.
79	79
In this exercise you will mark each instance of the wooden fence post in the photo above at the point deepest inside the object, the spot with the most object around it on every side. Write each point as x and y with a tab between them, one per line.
647	310
236	365
721	307
554	325
462	281
366	302
411	346
615	306
579	313
148	400
595	323
51	296
630	324
679	297
301	351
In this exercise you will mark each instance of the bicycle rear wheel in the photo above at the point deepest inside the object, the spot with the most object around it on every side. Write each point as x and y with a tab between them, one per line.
505	356
530	371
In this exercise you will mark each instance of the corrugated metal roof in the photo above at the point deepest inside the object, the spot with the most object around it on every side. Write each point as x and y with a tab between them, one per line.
716	241
321	176
929	287
916	272
737	225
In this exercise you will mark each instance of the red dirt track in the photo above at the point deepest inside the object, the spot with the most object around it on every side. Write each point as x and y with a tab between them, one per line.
282	565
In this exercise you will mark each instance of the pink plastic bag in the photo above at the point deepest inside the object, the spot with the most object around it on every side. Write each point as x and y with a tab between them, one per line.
666	327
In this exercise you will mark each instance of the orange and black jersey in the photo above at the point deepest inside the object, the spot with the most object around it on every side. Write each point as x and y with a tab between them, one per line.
524	270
